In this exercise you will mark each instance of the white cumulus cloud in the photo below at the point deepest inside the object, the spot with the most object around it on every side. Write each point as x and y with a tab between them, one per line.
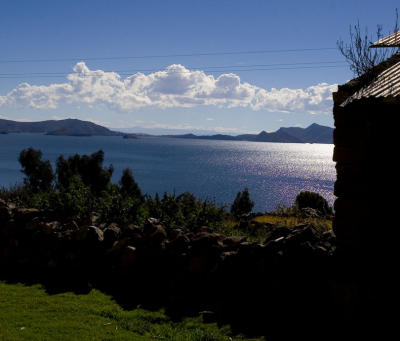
314	99
176	86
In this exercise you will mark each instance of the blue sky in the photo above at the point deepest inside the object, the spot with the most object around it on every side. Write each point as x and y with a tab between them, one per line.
226	66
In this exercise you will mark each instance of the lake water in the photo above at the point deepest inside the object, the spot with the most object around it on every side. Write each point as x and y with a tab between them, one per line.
274	173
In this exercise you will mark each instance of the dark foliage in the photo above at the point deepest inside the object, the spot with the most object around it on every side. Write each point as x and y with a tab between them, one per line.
313	200
129	187
88	168
39	173
114	206
242	205
185	211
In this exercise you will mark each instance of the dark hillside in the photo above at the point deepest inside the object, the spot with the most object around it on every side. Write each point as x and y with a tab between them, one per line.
277	136
315	133
56	127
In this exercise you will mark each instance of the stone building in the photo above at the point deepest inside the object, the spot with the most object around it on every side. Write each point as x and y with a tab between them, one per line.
366	111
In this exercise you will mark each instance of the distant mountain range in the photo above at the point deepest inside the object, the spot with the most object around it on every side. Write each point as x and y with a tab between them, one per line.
315	133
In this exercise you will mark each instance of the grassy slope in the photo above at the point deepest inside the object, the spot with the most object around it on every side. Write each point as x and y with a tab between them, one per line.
291	221
267	223
29	313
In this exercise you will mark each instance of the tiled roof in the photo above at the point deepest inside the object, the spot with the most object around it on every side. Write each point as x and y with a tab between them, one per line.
392	40
387	83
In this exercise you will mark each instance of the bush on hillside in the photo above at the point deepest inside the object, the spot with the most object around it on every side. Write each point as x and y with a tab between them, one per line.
88	168
185	211
242	204
39	173
129	187
313	200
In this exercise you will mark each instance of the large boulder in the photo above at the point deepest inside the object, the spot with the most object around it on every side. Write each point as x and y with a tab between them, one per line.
277	232
204	252
159	235
304	233
116	250
233	243
199	264
2	203
203	242
90	234
49	227
173	233
10	228
249	248
71	226
308	212
154	232
33	225
128	256
178	244
24	215
111	234
149	226
5	214
130	230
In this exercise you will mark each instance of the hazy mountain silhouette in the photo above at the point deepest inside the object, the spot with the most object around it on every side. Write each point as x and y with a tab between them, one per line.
314	133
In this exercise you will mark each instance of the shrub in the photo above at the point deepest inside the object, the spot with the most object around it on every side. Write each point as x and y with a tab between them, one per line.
76	199
185	211
313	200
39	174
129	187
88	168
242	204
114	206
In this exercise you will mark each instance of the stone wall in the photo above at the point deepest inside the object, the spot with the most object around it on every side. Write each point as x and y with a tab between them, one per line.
258	288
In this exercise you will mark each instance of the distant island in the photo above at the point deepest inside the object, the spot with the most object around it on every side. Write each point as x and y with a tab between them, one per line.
314	133
129	136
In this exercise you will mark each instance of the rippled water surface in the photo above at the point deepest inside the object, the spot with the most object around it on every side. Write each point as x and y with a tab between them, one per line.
273	172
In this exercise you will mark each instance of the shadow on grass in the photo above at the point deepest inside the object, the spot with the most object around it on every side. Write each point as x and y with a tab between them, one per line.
254	306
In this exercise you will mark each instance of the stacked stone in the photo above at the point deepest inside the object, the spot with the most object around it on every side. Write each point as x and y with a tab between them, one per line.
350	139
246	284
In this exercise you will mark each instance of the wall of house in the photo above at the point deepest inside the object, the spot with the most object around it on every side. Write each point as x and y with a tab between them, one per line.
365	154
366	209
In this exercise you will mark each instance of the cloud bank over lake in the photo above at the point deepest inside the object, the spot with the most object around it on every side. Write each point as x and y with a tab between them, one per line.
175	86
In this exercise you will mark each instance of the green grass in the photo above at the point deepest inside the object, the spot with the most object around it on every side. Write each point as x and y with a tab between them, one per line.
261	226
291	221
29	313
